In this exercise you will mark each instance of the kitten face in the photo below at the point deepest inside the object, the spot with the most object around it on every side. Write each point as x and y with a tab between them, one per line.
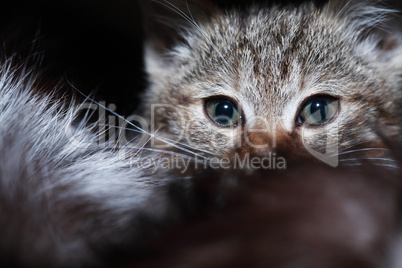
281	78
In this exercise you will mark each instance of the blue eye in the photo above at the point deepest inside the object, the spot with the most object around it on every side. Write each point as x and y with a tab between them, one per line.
318	111
222	112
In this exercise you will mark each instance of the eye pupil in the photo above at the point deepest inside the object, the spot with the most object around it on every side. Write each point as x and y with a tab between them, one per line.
223	112
319	110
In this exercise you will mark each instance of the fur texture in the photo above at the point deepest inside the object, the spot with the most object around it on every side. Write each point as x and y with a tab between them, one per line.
64	199
270	60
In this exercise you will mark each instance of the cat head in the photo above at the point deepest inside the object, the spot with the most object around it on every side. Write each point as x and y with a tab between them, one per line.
297	79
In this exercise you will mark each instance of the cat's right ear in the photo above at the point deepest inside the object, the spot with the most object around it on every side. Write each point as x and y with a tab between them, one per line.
166	24
165	21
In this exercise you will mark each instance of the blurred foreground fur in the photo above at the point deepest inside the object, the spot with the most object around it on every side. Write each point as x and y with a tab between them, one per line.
65	200
310	216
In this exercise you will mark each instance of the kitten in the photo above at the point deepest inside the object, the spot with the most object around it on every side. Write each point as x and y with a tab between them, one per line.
315	77
306	80
298	81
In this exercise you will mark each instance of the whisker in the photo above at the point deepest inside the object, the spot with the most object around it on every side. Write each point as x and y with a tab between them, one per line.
376	164
122	128
343	8
354	145
361	150
368	158
189	11
170	153
149	139
164	138
188	146
136	127
387	165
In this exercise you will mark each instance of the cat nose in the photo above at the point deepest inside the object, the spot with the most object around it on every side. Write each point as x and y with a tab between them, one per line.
258	144
260	141
265	144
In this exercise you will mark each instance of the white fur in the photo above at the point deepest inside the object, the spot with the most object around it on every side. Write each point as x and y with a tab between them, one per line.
58	200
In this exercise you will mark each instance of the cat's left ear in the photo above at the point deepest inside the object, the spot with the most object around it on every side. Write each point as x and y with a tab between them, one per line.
374	28
388	53
386	30
377	33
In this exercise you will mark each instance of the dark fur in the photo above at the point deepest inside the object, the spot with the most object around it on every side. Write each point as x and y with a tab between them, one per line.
308	217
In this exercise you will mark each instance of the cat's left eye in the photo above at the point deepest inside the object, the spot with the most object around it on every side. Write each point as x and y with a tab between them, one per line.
318	111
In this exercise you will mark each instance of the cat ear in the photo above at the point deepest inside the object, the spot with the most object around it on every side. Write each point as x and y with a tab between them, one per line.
361	17
375	29
165	21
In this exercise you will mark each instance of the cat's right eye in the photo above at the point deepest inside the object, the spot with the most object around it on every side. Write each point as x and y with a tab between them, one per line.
223	112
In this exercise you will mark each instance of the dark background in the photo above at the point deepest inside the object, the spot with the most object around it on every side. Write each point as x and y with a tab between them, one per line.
94	44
